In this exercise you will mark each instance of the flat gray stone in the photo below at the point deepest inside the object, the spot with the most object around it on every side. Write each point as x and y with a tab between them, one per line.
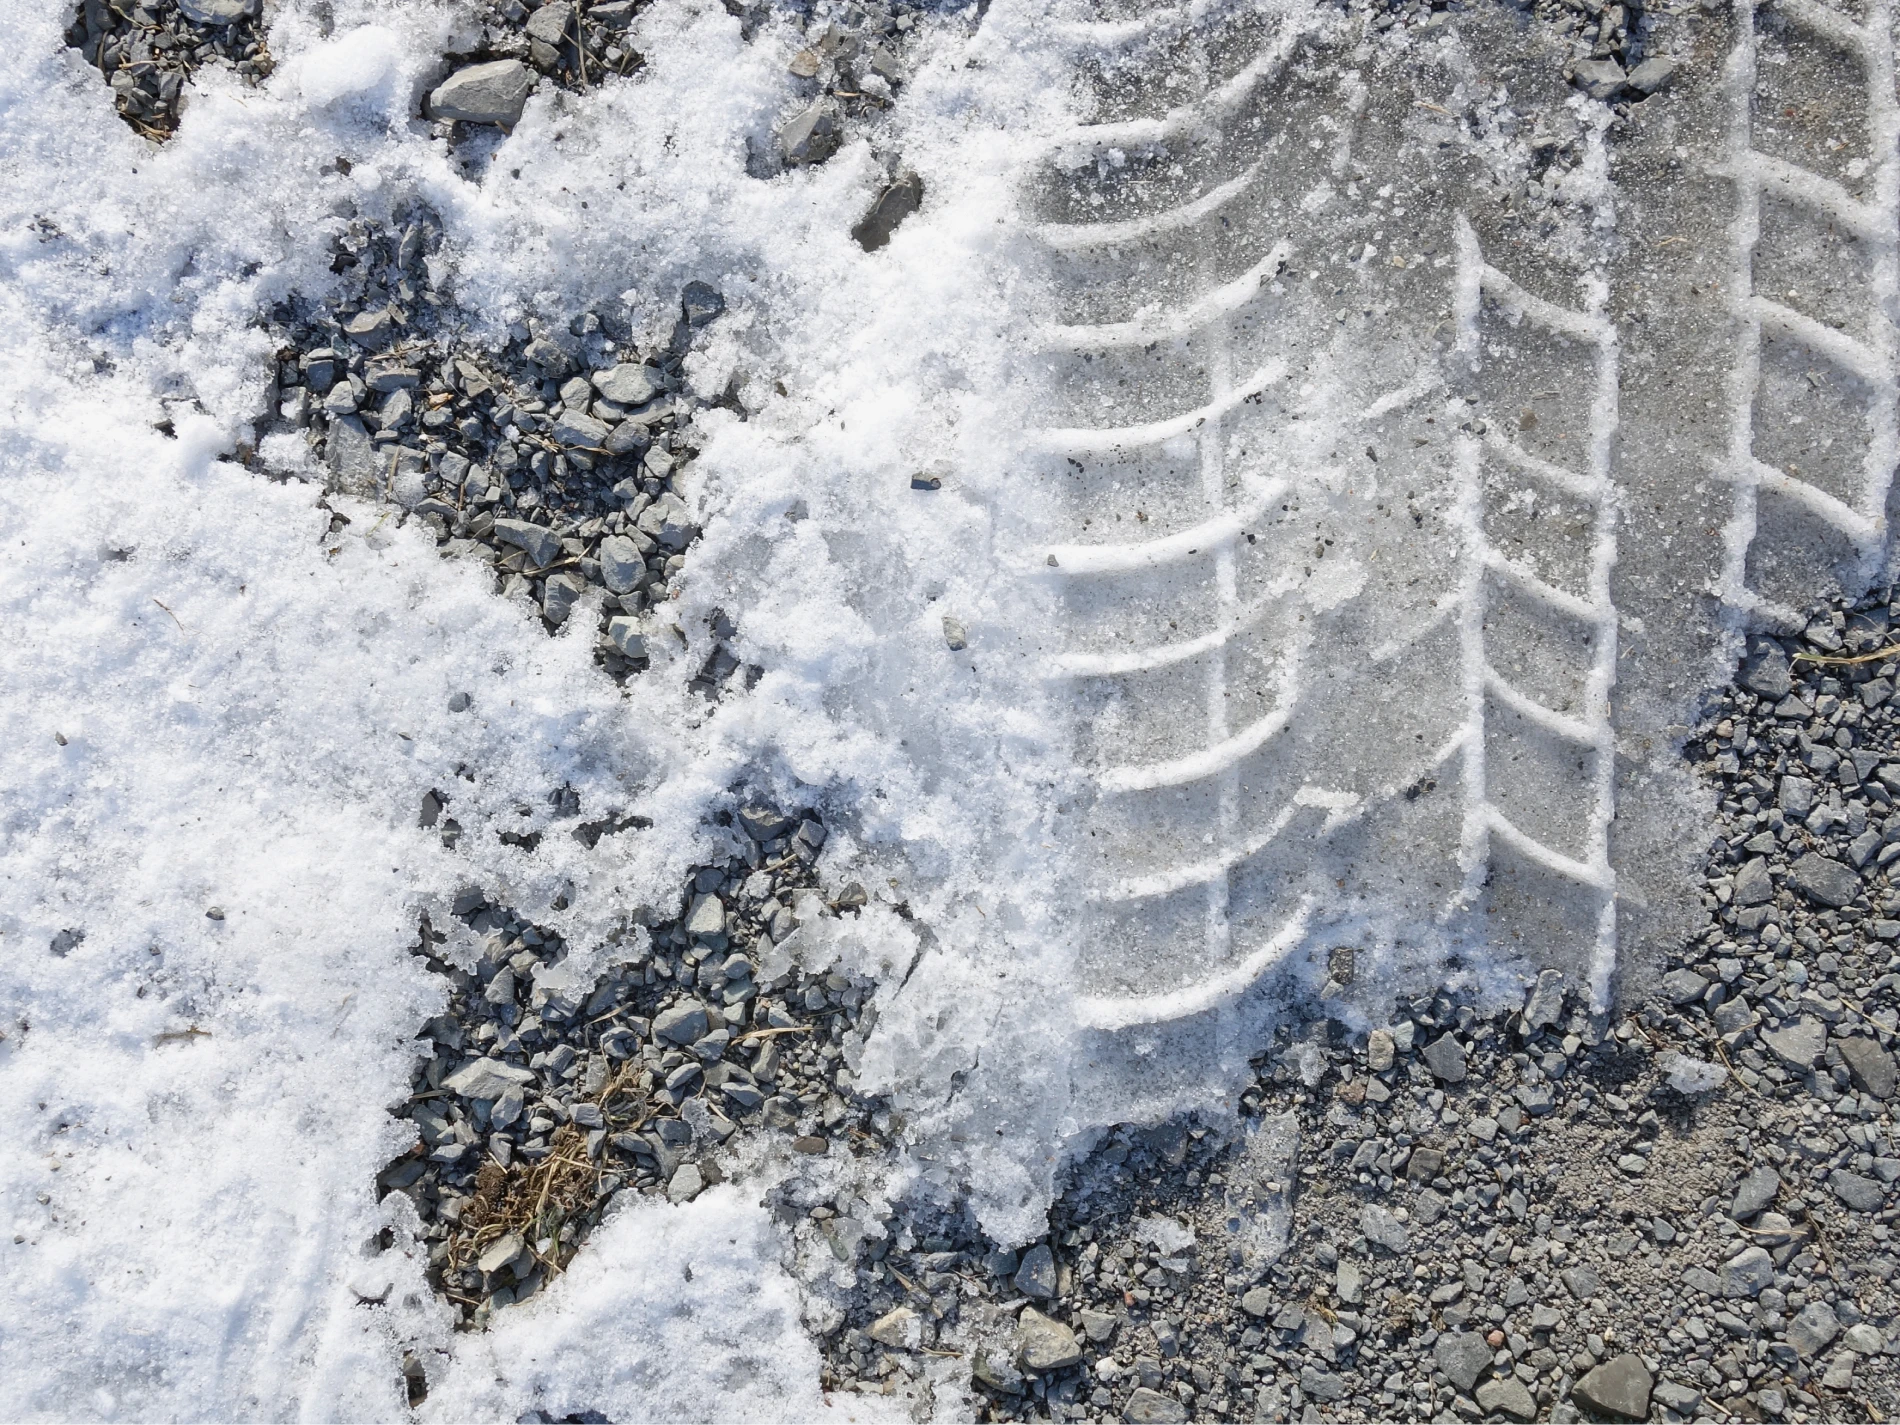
1871	1066
707	917
559	595
1581	1282
1445	1057
1681	986
1257	1302
1546	1002
1748	1273
1860	1193
1463	1356
1798	1043
487	1078
1813	1329
1382	1227
1151	1407
1753	885
628	384
686	1183
217	12
625	636
621	567
812	136
551	23
538	542
1766	673
681	1024
577	428
1823	879
492	93
1754	1193
1795	797
1619	1387
1679	1398
1507	1396
500	1252
1864	1339
1044	1345
1599	78
1037	1275
1649	77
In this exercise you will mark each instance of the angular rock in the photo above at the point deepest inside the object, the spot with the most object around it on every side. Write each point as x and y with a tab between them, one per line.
1619	1387
1507	1396
559	595
1257	1302
1151	1407
217	12
540	544
1813	1329
681	1024
1682	986
812	136
700	302
625	636
492	93
1382	1227
627	384
1748	1273
1753	884
501	1252
578	429
686	1183
1860	1193
1871	1066
622	569
1766	672
707	917
1379	1051
487	1078
1037	1275
1754	1193
1679	1398
1798	1043
550	23
1651	76
896	203
1463	1356
1546	1002
1044	1345
1599	78
1445	1057
1825	880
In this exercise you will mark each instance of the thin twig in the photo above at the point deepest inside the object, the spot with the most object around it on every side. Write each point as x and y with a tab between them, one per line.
175	619
1839	662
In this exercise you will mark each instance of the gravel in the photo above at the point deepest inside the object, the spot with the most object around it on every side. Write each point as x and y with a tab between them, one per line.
147	52
538	1107
1512	1211
557	458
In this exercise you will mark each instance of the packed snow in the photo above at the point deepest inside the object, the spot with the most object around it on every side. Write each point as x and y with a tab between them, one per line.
222	714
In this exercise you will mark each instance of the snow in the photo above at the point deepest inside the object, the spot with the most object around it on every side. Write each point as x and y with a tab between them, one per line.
216	701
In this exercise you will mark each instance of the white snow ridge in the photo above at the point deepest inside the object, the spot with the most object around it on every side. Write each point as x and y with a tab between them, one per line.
1310	592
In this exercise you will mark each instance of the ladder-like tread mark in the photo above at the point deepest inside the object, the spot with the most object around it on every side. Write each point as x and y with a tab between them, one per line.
1080	237
1485	821
1213	533
1862	520
1174	326
1202	115
1092	440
